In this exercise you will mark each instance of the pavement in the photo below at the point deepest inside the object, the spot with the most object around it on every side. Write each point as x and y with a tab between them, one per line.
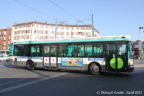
18	81
138	63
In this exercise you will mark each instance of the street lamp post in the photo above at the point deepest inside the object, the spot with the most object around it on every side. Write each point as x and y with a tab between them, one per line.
141	29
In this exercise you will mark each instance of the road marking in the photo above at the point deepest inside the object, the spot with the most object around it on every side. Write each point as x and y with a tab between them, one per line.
32	82
2	66
12	82
14	75
3	69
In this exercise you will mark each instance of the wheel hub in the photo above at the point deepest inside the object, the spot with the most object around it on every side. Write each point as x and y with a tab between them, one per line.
95	68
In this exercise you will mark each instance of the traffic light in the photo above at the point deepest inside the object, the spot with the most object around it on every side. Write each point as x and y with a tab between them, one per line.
140	27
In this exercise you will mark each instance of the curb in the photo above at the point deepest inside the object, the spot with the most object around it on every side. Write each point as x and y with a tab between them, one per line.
139	65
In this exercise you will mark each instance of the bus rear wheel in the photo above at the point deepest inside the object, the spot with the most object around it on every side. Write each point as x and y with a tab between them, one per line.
94	69
30	65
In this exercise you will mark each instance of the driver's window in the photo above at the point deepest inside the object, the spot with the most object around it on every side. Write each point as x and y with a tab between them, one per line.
121	49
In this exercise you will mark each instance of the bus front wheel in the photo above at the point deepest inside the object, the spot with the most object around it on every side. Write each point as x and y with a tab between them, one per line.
30	65
94	69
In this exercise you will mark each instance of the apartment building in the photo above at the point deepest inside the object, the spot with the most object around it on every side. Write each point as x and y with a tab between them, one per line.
5	40
36	31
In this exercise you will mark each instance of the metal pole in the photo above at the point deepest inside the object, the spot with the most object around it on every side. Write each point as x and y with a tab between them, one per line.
56	29
92	27
141	46
141	52
71	33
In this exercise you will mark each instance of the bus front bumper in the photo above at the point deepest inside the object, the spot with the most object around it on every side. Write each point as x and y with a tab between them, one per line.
130	70
127	69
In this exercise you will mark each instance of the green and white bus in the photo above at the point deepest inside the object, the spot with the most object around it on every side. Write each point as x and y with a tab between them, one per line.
95	55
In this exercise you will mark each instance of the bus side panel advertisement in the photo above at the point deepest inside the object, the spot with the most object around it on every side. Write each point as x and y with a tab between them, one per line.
72	61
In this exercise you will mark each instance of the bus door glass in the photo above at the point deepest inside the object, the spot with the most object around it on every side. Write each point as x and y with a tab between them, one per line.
122	57
47	56
50	59
111	56
53	59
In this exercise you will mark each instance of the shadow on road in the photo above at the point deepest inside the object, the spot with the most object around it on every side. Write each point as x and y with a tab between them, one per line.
37	71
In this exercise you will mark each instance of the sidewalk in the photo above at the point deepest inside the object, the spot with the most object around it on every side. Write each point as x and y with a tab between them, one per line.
138	63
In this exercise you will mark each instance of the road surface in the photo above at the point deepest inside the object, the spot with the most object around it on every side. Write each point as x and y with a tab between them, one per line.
18	81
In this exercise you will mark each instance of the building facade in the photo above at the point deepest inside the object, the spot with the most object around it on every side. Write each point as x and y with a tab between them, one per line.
138	49
36	31
5	40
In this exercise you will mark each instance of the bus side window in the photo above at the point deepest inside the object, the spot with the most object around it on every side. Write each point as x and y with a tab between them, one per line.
98	50
70	50
63	50
80	50
36	51
53	51
60	51
19	50
88	50
75	51
33	50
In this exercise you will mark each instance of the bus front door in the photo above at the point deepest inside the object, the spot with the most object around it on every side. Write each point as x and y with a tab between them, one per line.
116	56
49	59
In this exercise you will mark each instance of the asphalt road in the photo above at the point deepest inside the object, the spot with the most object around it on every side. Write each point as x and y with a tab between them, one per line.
18	81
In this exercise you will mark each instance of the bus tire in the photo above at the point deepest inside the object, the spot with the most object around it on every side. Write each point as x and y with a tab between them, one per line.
94	69
30	65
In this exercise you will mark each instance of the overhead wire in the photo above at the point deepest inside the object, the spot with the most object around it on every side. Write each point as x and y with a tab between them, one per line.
66	11
63	9
55	4
34	9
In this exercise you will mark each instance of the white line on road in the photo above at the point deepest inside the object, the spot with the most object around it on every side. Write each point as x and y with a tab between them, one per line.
32	82
12	82
3	69
14	75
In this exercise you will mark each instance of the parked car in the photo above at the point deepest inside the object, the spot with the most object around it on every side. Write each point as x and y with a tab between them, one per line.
1	58
4	58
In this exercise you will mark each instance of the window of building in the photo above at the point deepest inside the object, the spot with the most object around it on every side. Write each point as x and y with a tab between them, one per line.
3	48
4	32
39	26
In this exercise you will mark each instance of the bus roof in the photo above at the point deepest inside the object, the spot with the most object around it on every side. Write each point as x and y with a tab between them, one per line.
75	40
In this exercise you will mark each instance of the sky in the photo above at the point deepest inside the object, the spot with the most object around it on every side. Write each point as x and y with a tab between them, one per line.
111	17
